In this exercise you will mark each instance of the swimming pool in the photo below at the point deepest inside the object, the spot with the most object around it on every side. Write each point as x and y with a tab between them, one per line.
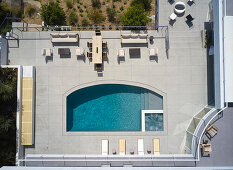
107	107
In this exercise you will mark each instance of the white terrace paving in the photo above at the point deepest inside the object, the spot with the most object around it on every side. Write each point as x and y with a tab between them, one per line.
182	76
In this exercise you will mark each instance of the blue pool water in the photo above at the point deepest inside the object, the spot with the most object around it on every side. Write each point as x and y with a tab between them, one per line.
107	107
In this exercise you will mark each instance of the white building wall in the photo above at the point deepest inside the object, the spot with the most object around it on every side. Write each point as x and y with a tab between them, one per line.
228	57
218	53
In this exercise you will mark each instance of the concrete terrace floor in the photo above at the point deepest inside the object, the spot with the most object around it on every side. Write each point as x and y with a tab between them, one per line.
182	76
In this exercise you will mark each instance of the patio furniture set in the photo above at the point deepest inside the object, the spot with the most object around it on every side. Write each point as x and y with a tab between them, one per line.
179	9
97	50
211	131
122	147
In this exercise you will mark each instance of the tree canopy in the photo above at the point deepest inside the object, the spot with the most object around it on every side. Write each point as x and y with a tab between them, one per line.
53	14
135	16
146	4
8	106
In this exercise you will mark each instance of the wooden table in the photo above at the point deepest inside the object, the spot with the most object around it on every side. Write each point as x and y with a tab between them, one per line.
97	49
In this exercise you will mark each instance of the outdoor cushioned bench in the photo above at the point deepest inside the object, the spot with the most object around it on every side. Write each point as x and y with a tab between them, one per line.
134	38
64	37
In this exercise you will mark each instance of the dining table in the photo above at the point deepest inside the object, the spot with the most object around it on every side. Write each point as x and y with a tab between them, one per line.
97	49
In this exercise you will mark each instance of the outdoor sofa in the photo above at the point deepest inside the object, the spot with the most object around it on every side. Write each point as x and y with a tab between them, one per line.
134	38
64	37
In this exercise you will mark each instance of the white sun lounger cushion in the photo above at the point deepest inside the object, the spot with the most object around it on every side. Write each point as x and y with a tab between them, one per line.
104	147
140	147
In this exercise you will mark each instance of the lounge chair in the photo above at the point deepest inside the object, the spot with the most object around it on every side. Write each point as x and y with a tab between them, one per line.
122	146
212	130
140	147
156	146
104	147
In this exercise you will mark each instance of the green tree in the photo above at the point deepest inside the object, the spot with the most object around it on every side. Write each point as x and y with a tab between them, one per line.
146	4
53	14
72	19
96	16
8	105
111	13
135	16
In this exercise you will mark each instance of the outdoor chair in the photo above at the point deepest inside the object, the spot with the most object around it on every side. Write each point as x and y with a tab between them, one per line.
173	16
104	45
89	45
47	52
121	52
103	27
122	146
104	147
89	55
212	130
206	148
140	147
79	51
153	51
189	18
97	33
98	67
104	54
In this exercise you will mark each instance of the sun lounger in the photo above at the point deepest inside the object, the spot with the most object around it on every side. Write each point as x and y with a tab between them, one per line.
156	147
104	147
140	147
121	146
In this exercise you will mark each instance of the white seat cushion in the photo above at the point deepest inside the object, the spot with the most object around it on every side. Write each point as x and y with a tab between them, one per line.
142	36
125	36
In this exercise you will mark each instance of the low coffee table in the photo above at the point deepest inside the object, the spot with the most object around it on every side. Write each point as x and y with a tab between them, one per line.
63	51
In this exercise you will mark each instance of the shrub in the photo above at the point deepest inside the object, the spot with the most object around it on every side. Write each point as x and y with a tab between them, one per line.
81	15
135	16
52	14
78	1
111	13
85	6
103	3
72	19
30	11
125	2
146	4
121	8
85	22
96	3
69	4
113	6
81	10
96	16
58	1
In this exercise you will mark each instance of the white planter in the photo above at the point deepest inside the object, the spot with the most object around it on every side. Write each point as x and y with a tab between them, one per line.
180	7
